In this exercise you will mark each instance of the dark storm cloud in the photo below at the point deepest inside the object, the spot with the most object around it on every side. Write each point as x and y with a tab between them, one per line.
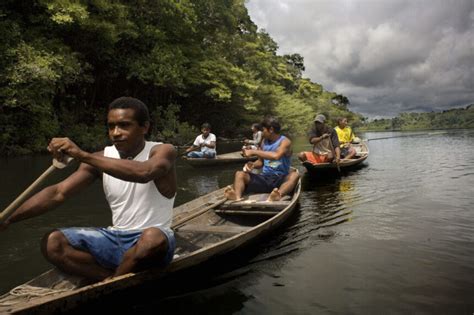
385	56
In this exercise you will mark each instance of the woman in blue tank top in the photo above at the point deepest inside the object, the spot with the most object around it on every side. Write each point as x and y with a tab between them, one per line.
275	158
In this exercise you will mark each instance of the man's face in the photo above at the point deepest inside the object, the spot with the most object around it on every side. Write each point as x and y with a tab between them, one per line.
319	126
124	131
343	123
267	132
205	132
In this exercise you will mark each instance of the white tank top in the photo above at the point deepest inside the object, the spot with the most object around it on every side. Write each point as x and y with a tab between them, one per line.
136	206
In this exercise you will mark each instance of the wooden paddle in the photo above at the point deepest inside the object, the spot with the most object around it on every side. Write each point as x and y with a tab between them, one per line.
26	194
334	153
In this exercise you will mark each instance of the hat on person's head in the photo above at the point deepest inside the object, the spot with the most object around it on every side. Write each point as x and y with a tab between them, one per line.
320	118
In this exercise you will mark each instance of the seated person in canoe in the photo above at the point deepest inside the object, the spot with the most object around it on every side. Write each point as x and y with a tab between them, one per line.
139	181
204	145
275	158
325	144
257	137
345	137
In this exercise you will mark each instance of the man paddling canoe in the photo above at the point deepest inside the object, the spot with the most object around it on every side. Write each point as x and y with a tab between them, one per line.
139	181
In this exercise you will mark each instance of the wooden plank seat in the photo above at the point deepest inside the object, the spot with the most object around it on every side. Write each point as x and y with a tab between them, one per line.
245	212
255	201
237	205
226	229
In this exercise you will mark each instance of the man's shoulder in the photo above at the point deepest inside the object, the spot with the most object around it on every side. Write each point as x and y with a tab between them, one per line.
162	146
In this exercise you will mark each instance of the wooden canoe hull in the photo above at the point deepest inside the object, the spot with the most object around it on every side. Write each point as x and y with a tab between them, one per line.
187	220
221	159
345	164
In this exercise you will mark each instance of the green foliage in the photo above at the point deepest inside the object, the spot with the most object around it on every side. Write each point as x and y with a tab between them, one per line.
168	128
63	61
448	119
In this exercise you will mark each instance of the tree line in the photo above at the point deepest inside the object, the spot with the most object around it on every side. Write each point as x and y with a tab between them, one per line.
457	118
190	61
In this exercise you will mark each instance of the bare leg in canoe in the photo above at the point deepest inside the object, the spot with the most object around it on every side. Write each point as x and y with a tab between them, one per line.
58	251
286	188
274	158
241	179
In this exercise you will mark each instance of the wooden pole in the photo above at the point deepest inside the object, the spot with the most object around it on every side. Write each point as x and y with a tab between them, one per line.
26	194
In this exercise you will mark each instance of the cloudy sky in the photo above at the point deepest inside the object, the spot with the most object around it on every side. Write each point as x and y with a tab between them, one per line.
386	56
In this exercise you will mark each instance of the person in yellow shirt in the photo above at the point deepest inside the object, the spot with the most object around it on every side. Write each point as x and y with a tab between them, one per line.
346	136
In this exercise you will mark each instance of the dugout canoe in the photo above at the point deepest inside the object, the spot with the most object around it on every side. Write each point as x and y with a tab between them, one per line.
206	227
221	159
345	164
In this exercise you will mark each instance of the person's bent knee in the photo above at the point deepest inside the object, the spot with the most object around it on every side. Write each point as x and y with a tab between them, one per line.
53	244
152	243
241	175
302	156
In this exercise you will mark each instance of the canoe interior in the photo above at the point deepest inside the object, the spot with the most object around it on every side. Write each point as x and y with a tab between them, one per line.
204	228
362	154
224	221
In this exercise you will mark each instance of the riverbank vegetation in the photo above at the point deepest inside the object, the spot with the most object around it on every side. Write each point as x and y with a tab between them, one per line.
457	118
190	61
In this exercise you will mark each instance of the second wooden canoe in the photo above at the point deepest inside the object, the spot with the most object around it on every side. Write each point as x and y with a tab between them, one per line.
221	159
345	164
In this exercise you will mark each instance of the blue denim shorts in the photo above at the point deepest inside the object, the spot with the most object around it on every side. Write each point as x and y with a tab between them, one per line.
107	245
264	183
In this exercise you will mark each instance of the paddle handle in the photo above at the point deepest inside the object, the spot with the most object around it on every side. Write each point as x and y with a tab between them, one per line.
334	153
24	195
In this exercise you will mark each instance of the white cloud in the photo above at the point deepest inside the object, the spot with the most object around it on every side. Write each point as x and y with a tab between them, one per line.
385	56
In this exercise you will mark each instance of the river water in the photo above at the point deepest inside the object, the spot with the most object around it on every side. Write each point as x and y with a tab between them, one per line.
401	241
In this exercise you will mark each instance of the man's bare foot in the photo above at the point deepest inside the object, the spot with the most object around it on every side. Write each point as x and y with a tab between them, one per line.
229	193
274	195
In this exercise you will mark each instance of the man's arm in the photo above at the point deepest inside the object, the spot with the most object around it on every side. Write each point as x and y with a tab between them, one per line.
212	142
192	148
335	139
249	166
52	196
282	150
211	145
315	139
160	161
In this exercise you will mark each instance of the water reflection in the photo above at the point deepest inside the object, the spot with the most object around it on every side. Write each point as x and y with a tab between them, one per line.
202	184
406	242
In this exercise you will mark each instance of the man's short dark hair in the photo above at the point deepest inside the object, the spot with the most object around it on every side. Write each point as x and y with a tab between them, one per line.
206	126
272	122
257	126
141	110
